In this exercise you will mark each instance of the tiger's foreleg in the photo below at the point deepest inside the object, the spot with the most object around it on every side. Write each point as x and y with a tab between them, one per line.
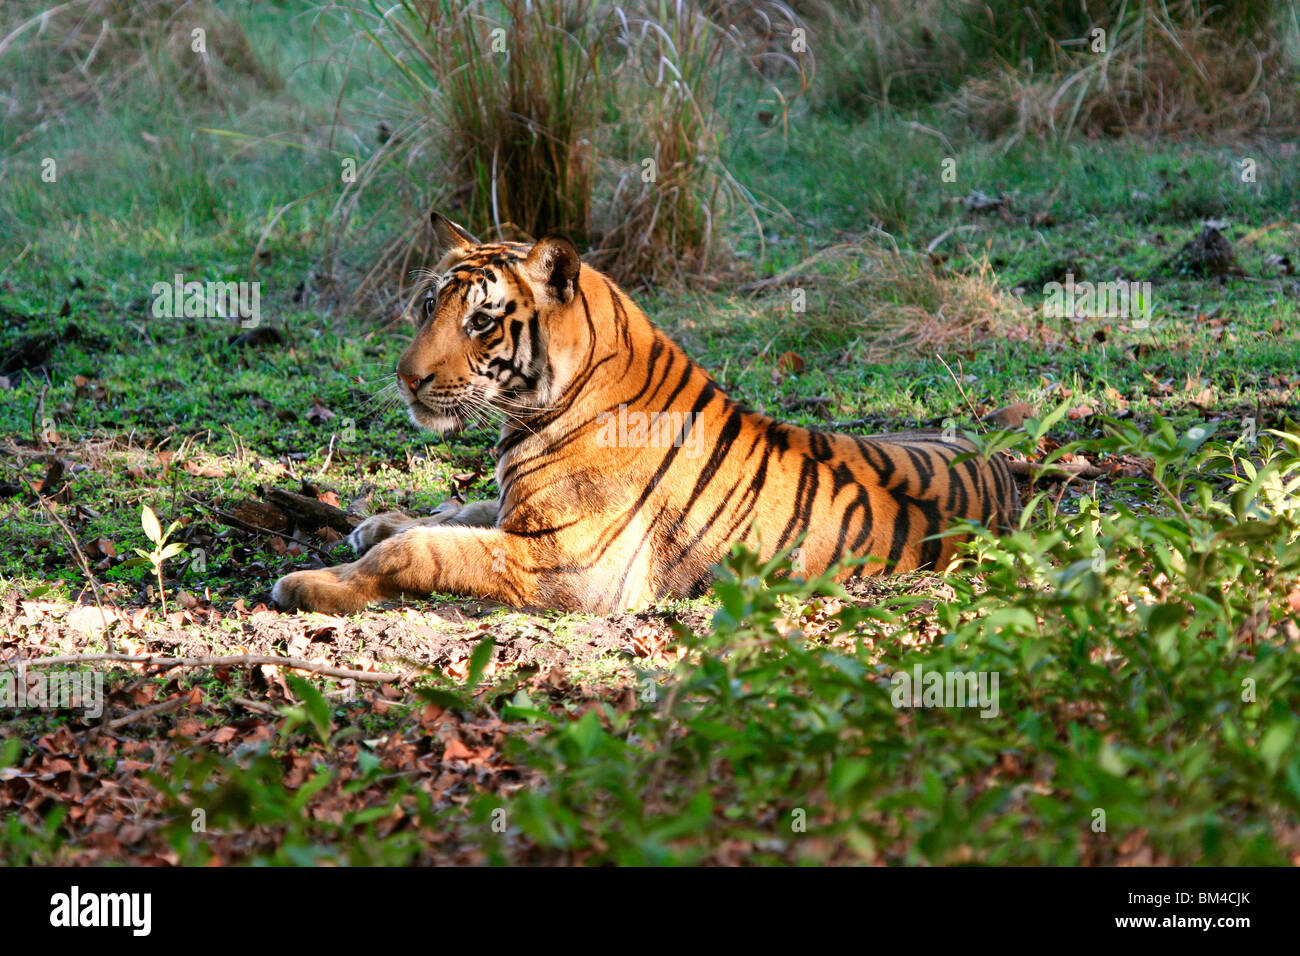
473	514
418	561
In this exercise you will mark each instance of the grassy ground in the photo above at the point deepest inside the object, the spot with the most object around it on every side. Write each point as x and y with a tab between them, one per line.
674	735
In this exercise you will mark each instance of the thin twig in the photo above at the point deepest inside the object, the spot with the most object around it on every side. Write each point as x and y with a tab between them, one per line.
256	706
151	711
38	418
235	660
962	389
1057	469
854	423
329	457
85	565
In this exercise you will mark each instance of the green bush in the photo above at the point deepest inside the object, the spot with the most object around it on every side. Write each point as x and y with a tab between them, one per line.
1147	686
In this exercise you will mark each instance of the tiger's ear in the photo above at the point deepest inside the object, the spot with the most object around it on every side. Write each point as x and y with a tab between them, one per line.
449	235
553	266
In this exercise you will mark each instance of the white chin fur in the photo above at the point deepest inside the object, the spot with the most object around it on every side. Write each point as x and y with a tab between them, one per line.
433	421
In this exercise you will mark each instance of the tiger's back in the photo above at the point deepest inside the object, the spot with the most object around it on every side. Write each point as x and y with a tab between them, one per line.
655	509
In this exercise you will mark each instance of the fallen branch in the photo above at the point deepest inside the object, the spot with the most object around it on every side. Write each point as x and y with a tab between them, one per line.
151	711
237	660
310	512
779	281
38	418
229	519
256	706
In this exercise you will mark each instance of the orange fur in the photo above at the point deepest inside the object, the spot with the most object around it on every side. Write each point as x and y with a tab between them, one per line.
625	472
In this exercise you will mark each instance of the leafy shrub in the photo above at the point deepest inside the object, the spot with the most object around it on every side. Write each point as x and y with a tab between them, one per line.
1147	706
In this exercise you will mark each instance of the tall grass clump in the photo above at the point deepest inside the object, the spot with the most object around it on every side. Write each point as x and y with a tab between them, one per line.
1042	69
893	53
671	185
1162	68
492	110
54	56
602	121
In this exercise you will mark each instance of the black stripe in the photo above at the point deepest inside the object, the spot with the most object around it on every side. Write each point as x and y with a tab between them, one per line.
801	512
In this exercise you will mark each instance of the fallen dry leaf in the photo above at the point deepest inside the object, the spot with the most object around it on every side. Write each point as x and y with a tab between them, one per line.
318	413
791	362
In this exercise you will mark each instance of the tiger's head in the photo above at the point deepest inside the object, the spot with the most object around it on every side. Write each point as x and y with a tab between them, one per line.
485	321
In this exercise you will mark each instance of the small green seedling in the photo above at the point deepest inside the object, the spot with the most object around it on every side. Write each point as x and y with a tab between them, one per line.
161	549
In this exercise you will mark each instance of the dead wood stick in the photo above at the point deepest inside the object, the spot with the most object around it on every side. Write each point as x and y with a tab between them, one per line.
962	390
151	711
229	519
784	279
310	510
256	706
236	660
38	418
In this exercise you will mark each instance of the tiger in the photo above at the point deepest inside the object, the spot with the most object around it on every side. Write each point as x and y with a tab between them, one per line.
625	472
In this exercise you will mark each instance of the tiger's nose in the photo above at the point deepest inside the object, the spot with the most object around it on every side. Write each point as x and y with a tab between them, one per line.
412	381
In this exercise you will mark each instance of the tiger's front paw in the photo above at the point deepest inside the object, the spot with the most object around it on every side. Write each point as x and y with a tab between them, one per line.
324	591
375	529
